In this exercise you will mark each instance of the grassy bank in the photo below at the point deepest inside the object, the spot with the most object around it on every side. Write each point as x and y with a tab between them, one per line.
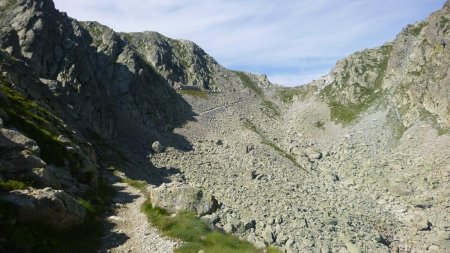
197	236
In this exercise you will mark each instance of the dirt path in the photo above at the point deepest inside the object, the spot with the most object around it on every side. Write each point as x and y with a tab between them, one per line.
127	227
223	106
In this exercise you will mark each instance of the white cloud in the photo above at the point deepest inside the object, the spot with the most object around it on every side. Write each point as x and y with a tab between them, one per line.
269	34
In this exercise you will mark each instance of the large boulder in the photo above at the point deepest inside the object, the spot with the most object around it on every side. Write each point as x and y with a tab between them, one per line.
180	197
52	207
24	161
313	153
10	138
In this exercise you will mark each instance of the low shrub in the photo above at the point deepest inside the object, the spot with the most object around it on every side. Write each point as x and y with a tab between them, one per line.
11	185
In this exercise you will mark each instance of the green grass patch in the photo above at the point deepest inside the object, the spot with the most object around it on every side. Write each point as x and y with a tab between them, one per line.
197	235
251	126
11	185
269	108
266	106
248	83
39	124
140	185
417	29
86	204
194	93
35	122
23	237
264	140
287	94
345	114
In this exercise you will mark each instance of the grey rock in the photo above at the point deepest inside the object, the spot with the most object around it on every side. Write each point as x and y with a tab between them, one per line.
157	147
26	162
229	228
268	235
400	189
313	153
178	197
44	178
64	178
12	138
52	207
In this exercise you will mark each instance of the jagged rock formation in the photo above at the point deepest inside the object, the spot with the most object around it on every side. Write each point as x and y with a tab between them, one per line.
356	161
181	62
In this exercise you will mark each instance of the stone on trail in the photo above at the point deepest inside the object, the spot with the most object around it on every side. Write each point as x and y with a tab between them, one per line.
157	147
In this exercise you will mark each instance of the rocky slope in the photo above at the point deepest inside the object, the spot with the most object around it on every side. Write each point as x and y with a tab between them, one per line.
356	161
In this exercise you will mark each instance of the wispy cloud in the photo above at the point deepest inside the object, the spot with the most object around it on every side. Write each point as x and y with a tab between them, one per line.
288	40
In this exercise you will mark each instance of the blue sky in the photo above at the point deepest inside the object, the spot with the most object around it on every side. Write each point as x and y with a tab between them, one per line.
293	42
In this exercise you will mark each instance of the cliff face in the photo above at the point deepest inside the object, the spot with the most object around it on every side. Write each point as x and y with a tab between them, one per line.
418	80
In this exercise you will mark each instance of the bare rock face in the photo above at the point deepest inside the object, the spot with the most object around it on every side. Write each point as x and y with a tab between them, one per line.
52	207
181	62
179	197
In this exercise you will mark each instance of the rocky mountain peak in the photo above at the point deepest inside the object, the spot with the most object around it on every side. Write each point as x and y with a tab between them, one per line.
182	62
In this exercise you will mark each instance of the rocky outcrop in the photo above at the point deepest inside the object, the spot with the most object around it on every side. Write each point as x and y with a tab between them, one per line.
181	62
175	198
54	208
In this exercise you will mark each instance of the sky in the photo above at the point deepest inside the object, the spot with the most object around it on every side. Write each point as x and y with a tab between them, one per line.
292	42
